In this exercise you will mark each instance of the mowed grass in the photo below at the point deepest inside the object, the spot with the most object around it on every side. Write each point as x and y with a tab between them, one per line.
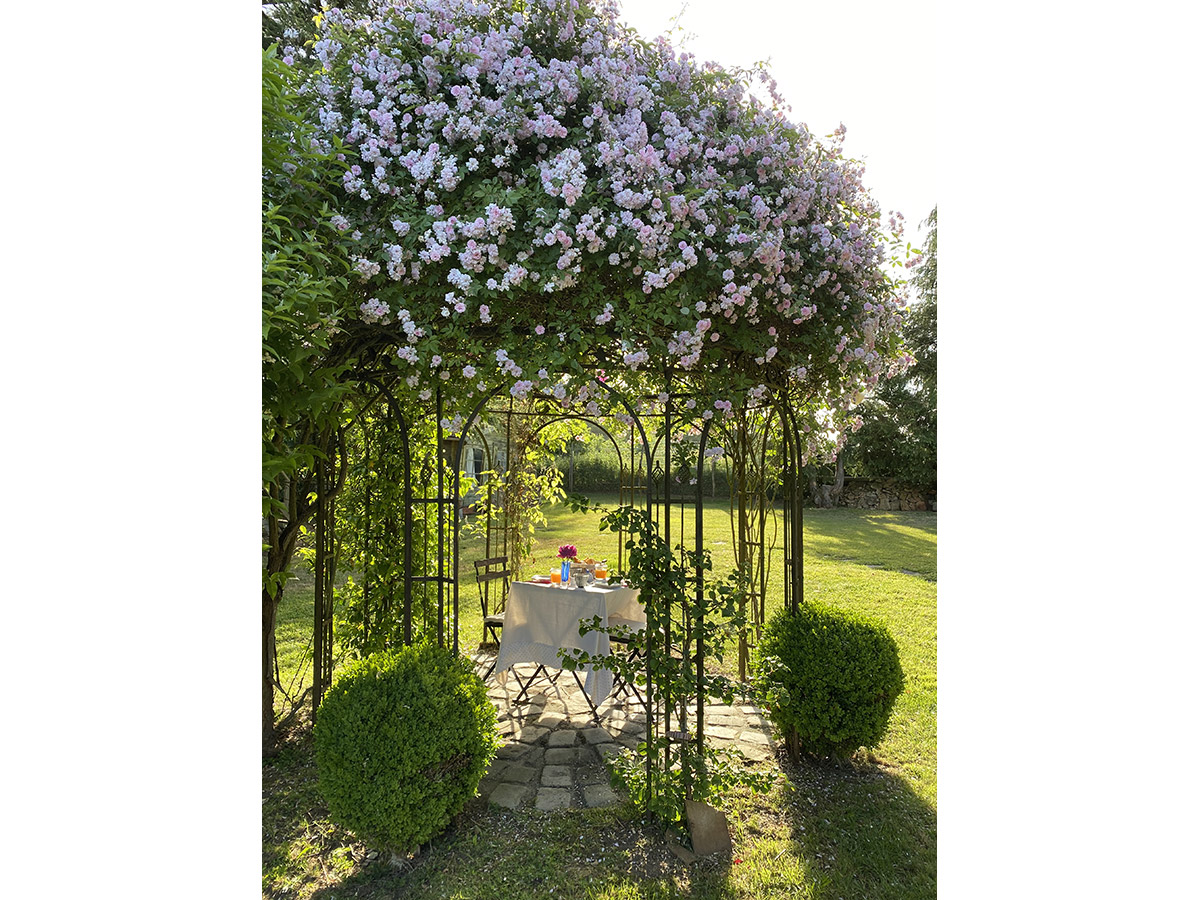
867	829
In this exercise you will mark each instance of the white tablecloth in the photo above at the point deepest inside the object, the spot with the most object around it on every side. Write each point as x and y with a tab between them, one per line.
539	620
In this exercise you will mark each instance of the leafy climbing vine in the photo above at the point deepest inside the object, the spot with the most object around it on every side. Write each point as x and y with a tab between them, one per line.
683	627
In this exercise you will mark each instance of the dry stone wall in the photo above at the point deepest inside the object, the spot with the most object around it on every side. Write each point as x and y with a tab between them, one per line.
861	493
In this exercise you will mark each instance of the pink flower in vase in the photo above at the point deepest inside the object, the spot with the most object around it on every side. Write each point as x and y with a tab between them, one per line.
567	551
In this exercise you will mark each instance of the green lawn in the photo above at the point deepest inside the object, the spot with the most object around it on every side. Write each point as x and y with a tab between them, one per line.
866	830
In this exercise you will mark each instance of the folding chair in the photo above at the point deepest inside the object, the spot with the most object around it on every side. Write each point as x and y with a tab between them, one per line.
487	571
553	679
621	687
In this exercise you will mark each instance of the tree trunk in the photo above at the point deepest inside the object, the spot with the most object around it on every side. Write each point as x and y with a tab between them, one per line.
791	744
270	608
839	482
827	496
281	544
820	494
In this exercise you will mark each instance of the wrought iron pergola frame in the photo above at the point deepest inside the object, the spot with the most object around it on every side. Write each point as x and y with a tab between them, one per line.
438	482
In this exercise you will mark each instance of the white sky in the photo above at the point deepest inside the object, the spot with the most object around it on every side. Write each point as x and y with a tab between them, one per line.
870	66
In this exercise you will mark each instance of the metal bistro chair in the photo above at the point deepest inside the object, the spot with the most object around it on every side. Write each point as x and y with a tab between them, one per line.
621	687
487	571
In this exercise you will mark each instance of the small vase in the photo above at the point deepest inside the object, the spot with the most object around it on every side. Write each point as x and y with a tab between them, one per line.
566	572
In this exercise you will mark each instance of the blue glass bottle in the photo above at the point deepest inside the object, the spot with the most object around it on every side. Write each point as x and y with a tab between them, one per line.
566	572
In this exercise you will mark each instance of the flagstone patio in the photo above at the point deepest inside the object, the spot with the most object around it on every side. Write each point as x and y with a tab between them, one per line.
554	753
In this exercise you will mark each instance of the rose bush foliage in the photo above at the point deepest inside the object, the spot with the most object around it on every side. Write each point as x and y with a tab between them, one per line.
533	191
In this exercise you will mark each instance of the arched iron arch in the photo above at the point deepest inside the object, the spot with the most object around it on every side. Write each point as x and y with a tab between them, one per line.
700	649
396	412
793	506
620	457
325	518
456	464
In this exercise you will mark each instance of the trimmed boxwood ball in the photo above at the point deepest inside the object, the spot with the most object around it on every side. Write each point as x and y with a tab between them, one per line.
402	739
830	678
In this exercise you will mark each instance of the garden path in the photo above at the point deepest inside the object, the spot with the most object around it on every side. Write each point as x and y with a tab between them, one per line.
554	753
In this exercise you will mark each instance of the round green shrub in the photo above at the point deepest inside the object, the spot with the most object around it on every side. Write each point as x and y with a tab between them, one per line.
830	678
402	741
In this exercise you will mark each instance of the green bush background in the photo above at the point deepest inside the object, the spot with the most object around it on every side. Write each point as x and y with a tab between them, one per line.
598	469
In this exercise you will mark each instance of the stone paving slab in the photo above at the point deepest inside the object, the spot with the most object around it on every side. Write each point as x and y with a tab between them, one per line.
607	751
511	796
531	734
756	752
586	775
519	773
627	715
723	732
722	720
557	776
513	751
549	798
562	738
561	756
600	795
596	735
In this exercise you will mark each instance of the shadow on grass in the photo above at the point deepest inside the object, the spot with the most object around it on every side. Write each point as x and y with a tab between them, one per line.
869	835
491	854
293	812
874	544
370	881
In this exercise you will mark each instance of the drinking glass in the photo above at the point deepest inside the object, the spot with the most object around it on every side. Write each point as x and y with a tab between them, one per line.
556	576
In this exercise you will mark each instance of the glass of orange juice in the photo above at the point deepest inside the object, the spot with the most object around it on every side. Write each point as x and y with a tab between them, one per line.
601	570
556	576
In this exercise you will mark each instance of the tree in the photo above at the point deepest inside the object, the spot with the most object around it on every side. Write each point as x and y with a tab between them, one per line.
898	436
300	16
303	270
921	333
